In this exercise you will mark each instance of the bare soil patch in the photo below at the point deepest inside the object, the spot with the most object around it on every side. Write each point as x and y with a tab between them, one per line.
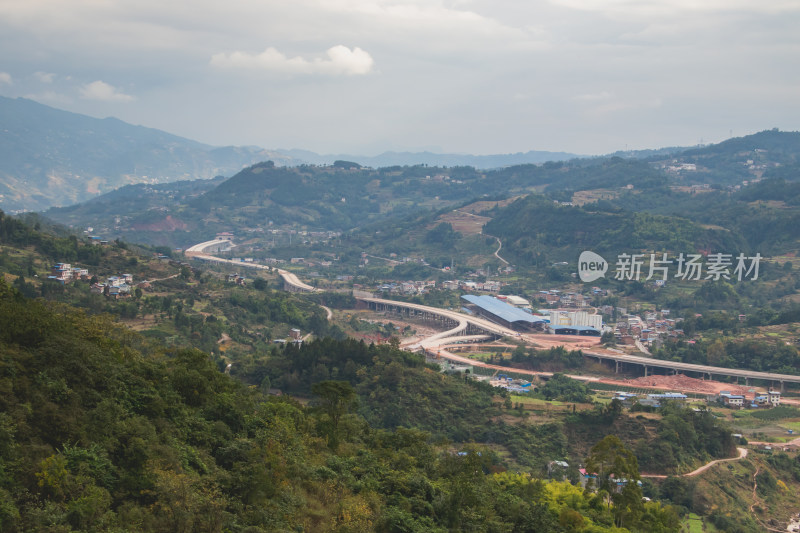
685	383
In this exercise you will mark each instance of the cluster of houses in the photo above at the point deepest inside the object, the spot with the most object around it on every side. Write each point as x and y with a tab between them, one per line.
558	469
564	298
115	286
739	401
728	399
303	261
650	329
517	386
65	272
469	286
410	288
305	237
407	288
651	400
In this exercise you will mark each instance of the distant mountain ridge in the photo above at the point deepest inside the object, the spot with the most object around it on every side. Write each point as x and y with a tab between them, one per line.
388	159
50	157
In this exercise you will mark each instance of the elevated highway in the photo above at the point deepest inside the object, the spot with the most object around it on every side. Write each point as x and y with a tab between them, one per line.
217	245
293	284
203	252
706	370
461	324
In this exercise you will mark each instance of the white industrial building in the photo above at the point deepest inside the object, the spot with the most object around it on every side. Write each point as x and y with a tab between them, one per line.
575	318
516	301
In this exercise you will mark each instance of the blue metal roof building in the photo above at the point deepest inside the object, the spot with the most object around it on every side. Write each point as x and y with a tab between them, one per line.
502	313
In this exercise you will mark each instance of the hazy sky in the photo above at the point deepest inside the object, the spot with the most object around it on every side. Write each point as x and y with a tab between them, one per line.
364	76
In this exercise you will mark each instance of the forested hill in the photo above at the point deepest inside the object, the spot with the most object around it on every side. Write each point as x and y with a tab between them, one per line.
535	226
739	159
103	431
106	429
784	146
335	198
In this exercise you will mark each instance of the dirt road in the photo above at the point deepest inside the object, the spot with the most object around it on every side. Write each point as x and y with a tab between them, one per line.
742	455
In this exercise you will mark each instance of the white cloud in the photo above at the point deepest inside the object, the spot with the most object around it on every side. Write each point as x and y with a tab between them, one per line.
5	78
473	75
44	77
100	90
340	60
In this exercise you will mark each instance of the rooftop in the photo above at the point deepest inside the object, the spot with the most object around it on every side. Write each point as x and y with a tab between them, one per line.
501	309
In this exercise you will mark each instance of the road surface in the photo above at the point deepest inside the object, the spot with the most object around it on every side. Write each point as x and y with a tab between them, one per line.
647	362
742	455
198	251
464	321
497	252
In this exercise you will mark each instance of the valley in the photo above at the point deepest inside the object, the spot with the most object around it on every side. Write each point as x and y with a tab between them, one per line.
289	279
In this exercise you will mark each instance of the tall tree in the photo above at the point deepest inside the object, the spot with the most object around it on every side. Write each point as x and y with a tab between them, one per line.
618	473
334	398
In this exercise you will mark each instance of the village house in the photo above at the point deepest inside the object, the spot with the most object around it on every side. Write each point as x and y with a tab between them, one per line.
774	398
236	278
729	399
760	400
65	272
587	479
557	469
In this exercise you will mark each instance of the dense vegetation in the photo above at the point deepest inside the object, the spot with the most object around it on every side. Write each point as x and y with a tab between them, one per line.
149	434
104	431
537	232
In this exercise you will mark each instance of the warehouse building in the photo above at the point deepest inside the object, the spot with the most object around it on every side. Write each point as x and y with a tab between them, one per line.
561	317
502	313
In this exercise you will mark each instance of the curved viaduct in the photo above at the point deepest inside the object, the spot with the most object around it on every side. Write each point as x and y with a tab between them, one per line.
465	324
203	252
459	323
468	324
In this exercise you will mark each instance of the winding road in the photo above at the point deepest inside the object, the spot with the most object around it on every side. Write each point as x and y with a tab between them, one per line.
742	455
198	251
497	252
464	322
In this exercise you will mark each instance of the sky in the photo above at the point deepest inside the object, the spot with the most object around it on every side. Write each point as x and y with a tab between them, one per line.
458	76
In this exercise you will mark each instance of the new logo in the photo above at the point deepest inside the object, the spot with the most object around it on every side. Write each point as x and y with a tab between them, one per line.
591	267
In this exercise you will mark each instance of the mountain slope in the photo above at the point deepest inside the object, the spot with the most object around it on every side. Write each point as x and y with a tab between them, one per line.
50	157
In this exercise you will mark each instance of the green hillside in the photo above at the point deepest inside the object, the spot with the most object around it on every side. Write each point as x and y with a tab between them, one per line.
106	429
535	225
